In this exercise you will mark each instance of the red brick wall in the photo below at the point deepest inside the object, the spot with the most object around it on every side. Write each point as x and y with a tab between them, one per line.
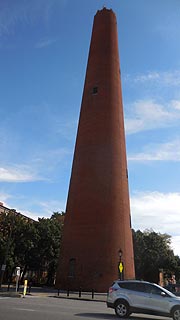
97	222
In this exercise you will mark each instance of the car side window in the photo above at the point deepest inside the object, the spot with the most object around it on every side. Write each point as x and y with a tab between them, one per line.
153	289
133	286
140	287
128	285
125	285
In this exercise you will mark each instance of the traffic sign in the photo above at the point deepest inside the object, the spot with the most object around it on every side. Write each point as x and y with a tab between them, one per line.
121	267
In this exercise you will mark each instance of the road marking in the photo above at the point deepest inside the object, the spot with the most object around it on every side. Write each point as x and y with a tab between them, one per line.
23	309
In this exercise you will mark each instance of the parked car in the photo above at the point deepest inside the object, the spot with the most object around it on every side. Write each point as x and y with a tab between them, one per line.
133	296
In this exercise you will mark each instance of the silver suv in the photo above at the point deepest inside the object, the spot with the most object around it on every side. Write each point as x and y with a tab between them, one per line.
133	296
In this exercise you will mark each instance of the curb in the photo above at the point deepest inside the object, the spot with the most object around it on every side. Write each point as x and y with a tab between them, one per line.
79	299
11	294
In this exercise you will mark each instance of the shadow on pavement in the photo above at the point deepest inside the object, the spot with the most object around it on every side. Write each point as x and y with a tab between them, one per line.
96	315
113	316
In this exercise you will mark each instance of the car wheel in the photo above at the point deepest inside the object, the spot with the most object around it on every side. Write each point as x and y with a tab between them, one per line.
176	313
122	309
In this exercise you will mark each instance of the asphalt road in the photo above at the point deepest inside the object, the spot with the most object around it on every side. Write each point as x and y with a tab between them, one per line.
50	308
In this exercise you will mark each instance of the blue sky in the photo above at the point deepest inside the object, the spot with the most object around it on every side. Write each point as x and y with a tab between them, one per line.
44	48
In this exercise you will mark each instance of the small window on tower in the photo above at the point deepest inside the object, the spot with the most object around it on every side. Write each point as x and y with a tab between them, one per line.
95	90
127	173
72	266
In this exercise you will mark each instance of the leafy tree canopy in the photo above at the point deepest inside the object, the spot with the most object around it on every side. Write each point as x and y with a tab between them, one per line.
30	245
152	252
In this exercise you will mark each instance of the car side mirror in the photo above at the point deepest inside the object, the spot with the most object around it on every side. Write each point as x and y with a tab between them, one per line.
163	294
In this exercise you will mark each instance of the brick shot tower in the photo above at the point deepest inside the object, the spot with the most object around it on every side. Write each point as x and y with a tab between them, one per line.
97	221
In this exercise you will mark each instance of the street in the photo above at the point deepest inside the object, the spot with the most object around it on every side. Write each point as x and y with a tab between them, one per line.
51	308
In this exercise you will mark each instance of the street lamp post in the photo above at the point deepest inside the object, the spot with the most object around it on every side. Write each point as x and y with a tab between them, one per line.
121	266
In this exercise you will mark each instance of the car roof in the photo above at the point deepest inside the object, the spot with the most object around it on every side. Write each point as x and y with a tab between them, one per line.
132	281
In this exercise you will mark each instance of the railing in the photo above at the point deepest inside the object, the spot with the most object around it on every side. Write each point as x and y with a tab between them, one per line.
79	293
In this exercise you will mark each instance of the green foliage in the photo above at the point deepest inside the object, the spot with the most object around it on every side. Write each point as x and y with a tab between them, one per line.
30	245
152	252
36	245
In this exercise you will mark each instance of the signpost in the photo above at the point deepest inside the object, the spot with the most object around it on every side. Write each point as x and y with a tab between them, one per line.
121	267
18	270
3	268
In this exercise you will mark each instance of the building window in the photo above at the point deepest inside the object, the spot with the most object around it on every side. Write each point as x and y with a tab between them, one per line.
127	173
95	90
72	267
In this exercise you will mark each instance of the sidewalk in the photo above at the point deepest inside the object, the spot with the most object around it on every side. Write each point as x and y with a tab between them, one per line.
11	293
52	292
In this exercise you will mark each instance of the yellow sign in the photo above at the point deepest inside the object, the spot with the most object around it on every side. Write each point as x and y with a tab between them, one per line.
121	267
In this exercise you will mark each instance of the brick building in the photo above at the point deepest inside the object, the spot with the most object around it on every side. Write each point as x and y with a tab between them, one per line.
4	209
97	222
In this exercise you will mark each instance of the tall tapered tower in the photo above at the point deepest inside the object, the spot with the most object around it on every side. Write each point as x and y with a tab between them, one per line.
97	221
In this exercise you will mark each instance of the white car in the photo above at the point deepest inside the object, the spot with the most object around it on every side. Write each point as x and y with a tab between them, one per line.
133	296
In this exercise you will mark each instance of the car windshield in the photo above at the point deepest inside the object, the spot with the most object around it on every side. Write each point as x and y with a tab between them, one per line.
167	291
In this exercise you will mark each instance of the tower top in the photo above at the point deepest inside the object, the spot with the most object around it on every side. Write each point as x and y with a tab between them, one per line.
104	10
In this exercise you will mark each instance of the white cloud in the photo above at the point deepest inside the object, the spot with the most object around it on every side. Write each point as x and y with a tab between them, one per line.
176	104
45	209
14	12
150	76
4	197
169	151
52	206
67	129
175	244
36	209
29	214
148	115
167	78
169	29
11	14
157	211
17	174
46	162
41	166
45	43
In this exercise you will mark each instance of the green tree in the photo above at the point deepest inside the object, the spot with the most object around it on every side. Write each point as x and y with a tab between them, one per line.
25	238
17	237
47	248
152	252
30	245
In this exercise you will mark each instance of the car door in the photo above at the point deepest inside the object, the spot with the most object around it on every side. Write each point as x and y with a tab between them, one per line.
138	296
158	299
